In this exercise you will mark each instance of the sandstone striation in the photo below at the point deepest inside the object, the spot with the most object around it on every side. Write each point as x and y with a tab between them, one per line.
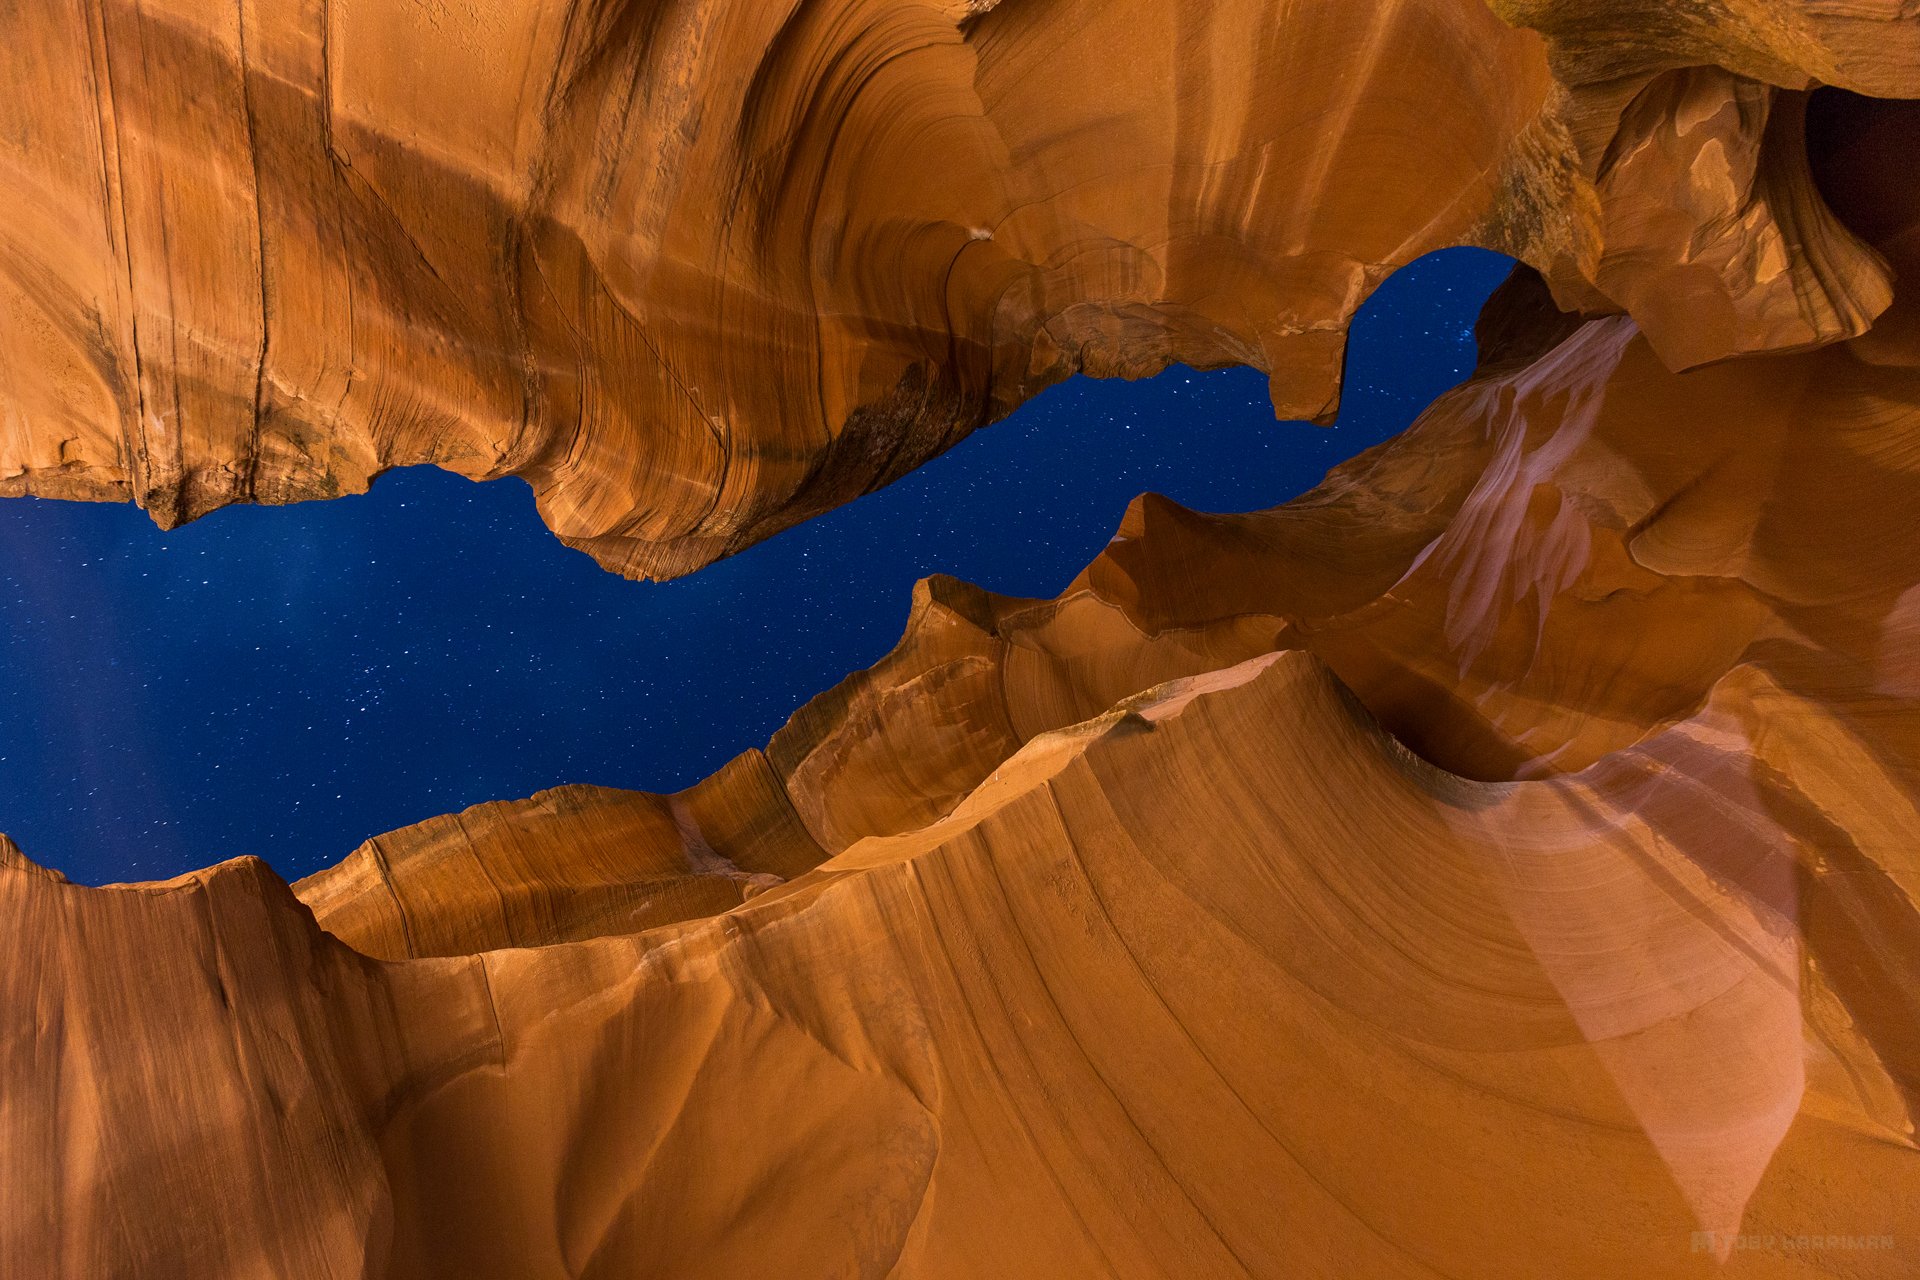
699	270
1498	862
568	863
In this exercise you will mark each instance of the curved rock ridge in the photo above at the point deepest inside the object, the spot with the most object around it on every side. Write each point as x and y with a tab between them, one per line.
1053	1033
698	271
1124	933
1498	862
568	863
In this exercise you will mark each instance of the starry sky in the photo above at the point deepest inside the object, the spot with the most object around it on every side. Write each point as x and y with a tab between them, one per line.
289	681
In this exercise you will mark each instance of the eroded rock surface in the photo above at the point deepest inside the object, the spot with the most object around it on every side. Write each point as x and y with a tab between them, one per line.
699	270
1499	862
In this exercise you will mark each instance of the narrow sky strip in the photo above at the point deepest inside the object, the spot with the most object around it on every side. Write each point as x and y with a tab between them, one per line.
289	681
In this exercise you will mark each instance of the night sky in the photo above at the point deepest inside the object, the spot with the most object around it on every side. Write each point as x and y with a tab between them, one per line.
288	681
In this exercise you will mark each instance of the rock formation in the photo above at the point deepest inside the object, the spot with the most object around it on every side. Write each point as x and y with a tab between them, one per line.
697	270
1499	862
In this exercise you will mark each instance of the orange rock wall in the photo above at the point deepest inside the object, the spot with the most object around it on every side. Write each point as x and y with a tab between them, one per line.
1498	862
698	271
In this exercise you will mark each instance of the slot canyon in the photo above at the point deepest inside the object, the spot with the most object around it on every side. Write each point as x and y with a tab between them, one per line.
1499	861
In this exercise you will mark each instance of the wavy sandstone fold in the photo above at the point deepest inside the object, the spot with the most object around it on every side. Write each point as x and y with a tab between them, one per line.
1499	862
699	270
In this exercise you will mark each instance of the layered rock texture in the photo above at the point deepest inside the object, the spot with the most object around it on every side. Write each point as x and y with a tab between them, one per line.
697	270
1499	862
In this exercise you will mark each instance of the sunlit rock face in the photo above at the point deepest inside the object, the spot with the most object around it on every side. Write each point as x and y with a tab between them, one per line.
1499	862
